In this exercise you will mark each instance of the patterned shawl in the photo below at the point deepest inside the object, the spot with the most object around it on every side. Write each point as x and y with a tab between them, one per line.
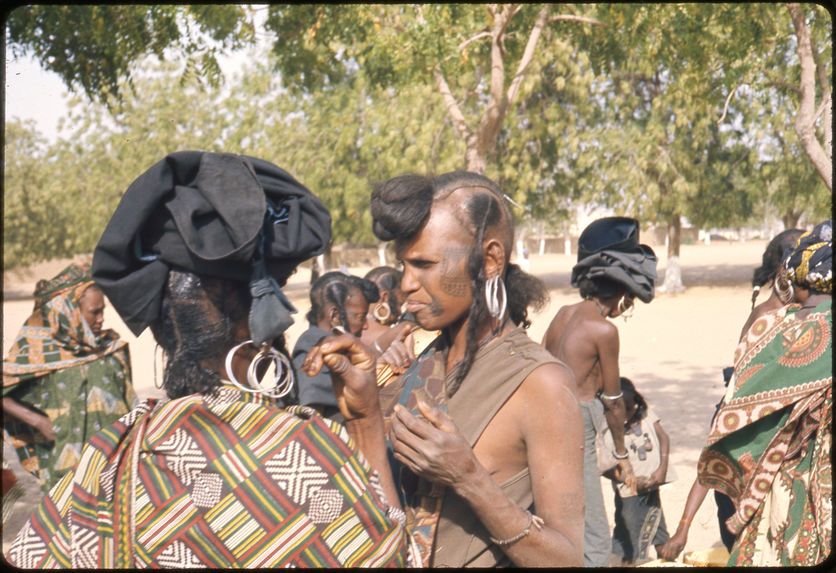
769	445
222	481
56	336
421	499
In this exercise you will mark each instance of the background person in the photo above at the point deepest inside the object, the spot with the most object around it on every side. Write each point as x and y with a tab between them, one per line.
612	269
639	519
770	444
65	376
219	475
339	305
386	311
770	272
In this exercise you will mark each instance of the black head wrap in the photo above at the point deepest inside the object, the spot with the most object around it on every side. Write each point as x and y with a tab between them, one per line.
609	248
810	263
216	214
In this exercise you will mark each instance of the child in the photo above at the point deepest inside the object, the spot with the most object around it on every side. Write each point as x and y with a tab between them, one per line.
638	514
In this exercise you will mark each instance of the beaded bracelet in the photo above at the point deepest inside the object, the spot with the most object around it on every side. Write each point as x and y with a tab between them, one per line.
532	519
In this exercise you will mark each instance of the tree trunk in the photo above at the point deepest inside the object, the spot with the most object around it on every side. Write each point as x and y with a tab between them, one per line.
673	272
805	123
474	161
790	219
381	253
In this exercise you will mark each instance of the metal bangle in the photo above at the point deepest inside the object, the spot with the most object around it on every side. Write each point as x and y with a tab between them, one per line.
616	397
623	456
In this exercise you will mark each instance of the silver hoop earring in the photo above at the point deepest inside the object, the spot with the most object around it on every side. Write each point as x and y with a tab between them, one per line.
783	288
157	349
623	308
496	297
384	318
337	329
283	378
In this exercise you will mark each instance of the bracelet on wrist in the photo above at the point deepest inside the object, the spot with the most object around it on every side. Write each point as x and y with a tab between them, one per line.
532	520
377	347
618	456
615	397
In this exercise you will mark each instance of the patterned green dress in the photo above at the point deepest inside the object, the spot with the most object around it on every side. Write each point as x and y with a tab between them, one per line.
769	448
80	401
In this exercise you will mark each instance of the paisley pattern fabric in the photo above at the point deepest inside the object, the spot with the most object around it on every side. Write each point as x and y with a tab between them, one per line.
228	480
769	447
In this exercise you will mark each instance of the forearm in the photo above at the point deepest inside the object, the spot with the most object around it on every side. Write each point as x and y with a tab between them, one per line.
369	436
615	421
695	498
504	519
15	409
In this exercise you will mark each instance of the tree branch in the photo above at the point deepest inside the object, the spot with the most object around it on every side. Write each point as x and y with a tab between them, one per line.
785	85
726	105
805	122
570	18
452	106
473	39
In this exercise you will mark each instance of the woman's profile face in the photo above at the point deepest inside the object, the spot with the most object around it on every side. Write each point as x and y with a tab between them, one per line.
92	307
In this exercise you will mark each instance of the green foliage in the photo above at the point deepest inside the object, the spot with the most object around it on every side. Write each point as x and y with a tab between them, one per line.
37	224
667	111
95	47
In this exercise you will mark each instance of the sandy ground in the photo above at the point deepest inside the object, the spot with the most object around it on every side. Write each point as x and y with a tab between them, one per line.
674	349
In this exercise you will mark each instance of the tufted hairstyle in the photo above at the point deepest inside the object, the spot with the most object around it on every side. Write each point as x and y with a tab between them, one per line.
334	287
401	206
773	259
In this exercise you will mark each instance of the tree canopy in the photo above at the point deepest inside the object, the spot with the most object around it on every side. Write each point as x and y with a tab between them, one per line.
669	112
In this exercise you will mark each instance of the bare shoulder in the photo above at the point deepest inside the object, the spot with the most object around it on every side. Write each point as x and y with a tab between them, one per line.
550	383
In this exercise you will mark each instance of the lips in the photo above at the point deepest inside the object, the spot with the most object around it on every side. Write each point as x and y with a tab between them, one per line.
413	306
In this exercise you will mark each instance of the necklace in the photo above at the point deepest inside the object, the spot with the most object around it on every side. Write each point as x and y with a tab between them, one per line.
601	308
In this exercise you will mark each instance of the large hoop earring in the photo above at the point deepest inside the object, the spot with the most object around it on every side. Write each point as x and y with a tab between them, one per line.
283	378
783	288
157	349
624	310
384	318
494	292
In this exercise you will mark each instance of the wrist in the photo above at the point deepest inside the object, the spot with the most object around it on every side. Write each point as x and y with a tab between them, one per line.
473	483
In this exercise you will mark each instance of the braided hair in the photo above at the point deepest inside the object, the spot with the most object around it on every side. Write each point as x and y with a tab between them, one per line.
195	323
772	259
334	287
401	206
388	279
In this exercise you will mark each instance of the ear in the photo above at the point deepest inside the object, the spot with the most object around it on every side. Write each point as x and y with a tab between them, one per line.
384	297
334	315
494	254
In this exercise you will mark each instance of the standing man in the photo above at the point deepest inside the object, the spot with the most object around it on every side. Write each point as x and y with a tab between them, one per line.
484	425
612	269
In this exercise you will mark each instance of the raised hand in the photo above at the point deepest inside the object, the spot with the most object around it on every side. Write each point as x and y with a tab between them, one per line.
352	367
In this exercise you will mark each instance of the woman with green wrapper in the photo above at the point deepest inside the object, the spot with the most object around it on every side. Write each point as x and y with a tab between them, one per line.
769	447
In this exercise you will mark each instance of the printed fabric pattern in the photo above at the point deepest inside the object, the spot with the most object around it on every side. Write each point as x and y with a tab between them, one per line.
769	447
227	480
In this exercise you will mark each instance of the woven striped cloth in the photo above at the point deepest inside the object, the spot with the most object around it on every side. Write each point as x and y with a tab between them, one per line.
223	481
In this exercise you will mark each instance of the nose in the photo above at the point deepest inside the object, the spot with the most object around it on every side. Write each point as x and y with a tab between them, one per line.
409	283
